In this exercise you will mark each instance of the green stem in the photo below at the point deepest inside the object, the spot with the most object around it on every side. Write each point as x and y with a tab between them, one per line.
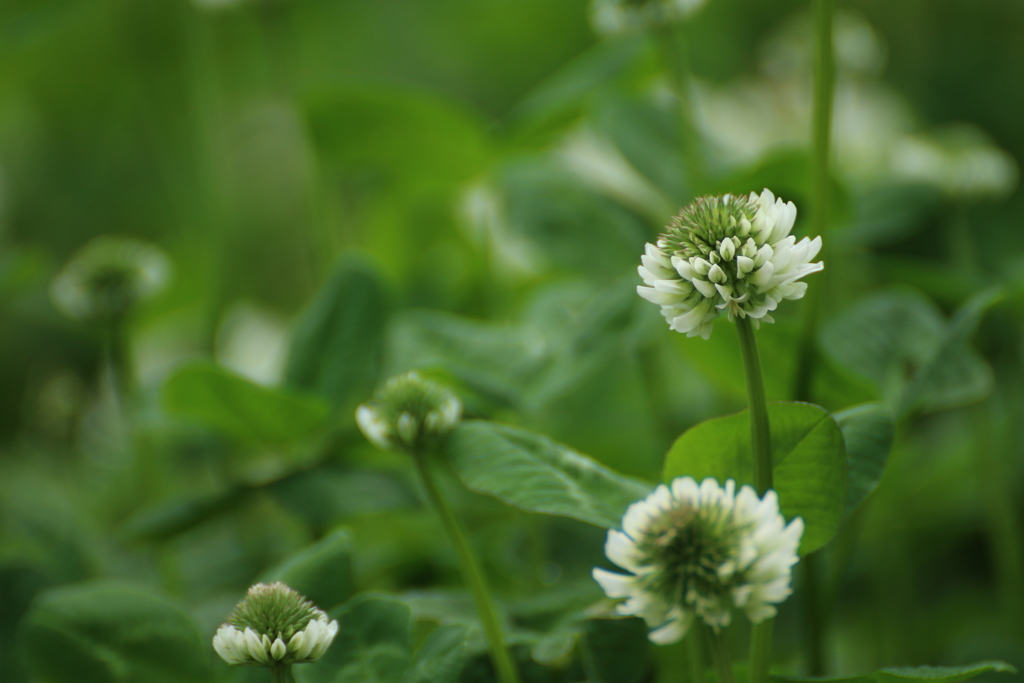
674	57
761	447
282	673
761	651
473	575
720	655
760	432
695	654
814	614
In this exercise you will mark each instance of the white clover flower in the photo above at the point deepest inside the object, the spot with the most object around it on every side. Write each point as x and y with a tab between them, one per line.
274	625
107	277
700	551
610	17
727	254
409	413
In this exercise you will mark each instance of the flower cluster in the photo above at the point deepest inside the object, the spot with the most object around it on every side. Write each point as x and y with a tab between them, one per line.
698	551
107	277
611	17
727	254
409	413
274	625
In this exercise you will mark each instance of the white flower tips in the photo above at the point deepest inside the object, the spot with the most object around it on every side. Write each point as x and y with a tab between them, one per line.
699	551
611	17
727	254
409	413
274	625
107	278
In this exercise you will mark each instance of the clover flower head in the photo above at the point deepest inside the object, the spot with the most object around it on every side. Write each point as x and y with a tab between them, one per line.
727	254
699	551
611	17
107	278
274	625
409	413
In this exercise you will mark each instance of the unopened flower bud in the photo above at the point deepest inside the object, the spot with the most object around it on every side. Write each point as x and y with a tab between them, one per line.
274	625
107	278
409	413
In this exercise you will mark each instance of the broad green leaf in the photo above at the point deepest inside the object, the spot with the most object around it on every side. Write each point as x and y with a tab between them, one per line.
107	632
942	674
933	674
224	401
899	341
404	136
372	646
534	473
808	455
166	520
442	656
336	344
868	432
467	349
322	572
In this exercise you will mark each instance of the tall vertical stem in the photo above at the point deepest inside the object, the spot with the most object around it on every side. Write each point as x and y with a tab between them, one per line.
761	447
282	673
695	654
760	432
816	610
473	575
720	655
677	63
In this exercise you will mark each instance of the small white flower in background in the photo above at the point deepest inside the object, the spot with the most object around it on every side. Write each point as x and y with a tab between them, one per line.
409	413
107	277
727	254
699	551
611	17
274	625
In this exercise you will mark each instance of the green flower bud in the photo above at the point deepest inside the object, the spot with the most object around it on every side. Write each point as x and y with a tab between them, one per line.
108	277
409	413
274	625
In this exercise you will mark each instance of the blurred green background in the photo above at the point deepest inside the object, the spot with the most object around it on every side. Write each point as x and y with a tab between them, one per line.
347	189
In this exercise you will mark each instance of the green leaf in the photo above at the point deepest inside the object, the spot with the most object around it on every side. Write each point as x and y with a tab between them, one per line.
868	432
372	646
229	403
807	452
933	674
107	632
899	341
167	520
534	473
322	571
442	656
336	345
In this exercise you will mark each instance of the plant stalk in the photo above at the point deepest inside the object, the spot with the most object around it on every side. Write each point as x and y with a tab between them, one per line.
695	654
816	612
473	575
760	431
677	63
282	673
761	650
761	448
720	655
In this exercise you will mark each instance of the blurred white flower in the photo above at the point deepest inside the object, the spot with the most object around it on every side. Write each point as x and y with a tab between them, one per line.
960	161
274	625
727	254
698	551
107	277
409	413
610	17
